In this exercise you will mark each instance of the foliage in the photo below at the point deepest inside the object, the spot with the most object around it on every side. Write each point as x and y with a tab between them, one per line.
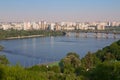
2	72
3	60
55	69
106	71
73	53
18	33
70	62
41	68
19	73
89	61
111	52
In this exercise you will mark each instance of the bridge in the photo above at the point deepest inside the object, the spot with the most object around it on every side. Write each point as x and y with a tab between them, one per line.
96	33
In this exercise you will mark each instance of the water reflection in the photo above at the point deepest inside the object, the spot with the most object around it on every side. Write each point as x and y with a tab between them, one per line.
34	43
52	41
24	43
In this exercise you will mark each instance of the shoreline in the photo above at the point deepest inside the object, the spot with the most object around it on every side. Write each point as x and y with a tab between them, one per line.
50	63
23	37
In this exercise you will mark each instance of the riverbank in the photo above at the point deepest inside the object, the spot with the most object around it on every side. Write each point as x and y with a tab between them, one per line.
20	34
23	37
1	48
55	63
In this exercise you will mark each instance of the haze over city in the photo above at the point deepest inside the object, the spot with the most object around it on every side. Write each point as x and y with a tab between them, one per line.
59	10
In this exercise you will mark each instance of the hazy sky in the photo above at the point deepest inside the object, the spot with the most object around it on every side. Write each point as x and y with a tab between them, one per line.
60	10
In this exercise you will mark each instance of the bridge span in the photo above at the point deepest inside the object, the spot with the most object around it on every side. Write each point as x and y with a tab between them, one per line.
96	34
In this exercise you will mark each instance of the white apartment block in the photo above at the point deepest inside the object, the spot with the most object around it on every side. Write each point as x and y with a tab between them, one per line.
83	26
6	26
27	26
100	27
43	25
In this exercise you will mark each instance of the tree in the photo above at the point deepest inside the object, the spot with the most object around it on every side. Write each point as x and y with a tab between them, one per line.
73	53
115	49
3	60
109	56
111	52
106	71
39	68
55	69
70	62
90	61
2	72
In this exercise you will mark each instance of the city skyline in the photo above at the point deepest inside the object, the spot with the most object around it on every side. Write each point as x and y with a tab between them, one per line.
59	10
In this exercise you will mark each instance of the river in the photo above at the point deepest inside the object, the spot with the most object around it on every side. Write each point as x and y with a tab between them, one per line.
31	51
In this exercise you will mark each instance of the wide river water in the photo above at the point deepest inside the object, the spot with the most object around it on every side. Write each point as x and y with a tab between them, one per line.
28	52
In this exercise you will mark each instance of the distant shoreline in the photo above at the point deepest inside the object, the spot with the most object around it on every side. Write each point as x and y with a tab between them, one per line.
21	34
23	37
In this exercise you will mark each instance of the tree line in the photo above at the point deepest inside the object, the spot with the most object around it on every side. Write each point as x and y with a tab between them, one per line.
103	64
18	33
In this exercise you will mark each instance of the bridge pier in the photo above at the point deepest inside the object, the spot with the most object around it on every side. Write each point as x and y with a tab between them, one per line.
68	34
96	35
77	34
85	35
106	35
114	36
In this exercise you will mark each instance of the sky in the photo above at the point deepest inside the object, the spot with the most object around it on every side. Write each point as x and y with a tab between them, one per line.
59	10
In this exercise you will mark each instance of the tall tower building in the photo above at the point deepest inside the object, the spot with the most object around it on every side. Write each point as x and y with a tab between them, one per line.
43	25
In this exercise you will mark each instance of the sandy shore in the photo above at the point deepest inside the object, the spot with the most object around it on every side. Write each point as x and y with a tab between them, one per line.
22	37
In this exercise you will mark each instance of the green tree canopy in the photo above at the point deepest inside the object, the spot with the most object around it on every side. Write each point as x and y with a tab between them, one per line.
70	62
90	61
106	71
3	60
111	52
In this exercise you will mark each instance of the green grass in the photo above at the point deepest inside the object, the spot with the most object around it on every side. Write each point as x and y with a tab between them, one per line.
54	64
